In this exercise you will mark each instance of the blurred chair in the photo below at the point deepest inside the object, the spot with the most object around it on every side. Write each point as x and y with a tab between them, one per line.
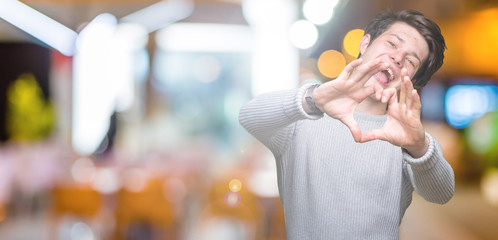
78	200
79	203
3	212
222	220
144	214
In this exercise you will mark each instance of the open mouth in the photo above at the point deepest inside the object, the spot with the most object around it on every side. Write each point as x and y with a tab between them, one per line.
391	74
385	77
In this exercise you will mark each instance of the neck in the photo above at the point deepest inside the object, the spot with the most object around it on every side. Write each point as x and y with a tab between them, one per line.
371	106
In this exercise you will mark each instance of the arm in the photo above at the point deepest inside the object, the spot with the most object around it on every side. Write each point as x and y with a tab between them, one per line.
268	117
431	175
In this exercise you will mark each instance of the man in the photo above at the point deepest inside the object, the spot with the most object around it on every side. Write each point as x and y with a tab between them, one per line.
350	173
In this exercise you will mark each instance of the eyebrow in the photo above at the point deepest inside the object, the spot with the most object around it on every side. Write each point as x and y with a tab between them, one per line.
403	41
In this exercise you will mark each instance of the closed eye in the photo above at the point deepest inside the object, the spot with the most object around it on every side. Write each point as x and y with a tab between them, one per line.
411	62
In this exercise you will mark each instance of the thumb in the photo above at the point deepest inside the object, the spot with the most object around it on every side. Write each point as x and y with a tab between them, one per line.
353	127
372	135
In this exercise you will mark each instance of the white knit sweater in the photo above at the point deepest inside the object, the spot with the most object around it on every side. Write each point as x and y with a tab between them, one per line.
332	187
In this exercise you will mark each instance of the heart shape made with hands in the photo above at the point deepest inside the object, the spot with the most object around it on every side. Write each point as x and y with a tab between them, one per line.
340	98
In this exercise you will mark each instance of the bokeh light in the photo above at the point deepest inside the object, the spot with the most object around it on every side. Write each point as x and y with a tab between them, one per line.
270	22
474	51
331	63
319	11
482	137
232	199
81	231
303	34
106	180
489	186
465	103
96	87
351	43
235	185
134	180
83	170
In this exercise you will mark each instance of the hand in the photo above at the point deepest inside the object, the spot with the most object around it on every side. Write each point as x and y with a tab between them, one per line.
339	98
403	126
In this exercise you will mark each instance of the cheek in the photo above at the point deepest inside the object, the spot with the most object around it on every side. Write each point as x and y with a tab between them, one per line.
411	71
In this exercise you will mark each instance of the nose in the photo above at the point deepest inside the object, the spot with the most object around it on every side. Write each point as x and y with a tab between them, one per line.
397	57
395	60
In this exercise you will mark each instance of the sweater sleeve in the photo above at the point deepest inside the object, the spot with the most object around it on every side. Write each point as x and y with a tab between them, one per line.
431	175
269	117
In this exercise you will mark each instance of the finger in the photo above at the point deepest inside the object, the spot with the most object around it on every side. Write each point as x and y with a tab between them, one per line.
350	68
417	105
365	71
353	127
393	100
409	89
388	95
376	89
402	92
372	135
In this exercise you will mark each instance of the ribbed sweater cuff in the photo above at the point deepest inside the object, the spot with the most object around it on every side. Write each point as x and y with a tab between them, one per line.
427	161
293	105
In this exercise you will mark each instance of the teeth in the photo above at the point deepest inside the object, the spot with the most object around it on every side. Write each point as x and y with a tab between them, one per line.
391	75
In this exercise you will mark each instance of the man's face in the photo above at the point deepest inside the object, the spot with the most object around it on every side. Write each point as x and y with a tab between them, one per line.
402	46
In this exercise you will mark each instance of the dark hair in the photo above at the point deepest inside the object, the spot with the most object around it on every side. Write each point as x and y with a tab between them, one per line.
426	27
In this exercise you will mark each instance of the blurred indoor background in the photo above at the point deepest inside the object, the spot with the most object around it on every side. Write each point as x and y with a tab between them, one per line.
118	118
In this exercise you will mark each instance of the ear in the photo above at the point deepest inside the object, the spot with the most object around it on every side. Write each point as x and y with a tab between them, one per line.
365	41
